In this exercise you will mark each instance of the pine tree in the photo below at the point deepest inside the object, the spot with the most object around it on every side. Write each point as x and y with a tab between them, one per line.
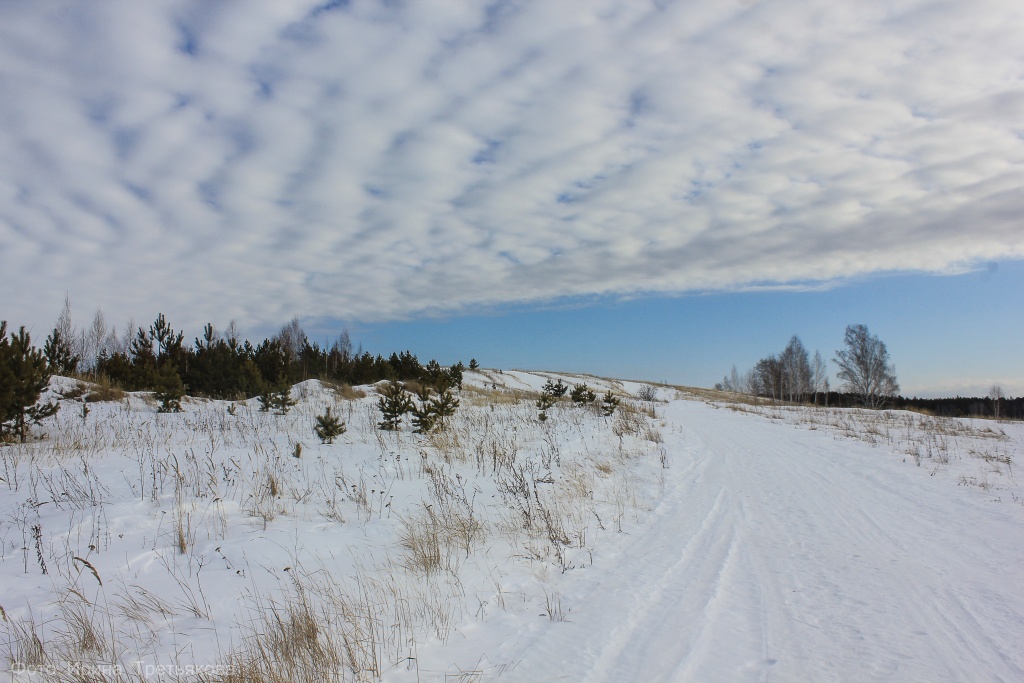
445	405
59	356
168	389
24	374
549	396
608	404
555	389
545	401
276	397
283	400
455	373
7	380
582	394
328	427
424	417
473	365
394	403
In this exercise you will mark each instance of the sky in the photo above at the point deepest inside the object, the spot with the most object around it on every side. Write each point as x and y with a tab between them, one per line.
655	190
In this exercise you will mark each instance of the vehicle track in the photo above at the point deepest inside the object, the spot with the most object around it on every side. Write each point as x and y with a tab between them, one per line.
777	554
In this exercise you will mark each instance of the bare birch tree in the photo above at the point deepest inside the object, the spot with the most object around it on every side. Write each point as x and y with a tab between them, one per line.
864	367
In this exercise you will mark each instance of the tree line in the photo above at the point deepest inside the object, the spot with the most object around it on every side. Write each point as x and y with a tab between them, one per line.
218	366
157	358
867	374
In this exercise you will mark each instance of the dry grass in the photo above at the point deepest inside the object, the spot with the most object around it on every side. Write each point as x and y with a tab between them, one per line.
424	542
343	391
496	395
566	486
102	389
630	419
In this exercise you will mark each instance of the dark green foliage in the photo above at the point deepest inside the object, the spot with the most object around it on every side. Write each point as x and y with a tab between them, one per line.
455	373
168	389
549	396
445	405
545	401
582	394
405	366
608	404
441	378
433	411
328	427
473	365
228	368
276	398
271	359
555	389
6	373
435	375
222	368
424	417
59	356
394	403
24	374
167	341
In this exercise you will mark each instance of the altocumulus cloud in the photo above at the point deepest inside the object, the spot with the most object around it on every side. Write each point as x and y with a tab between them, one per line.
368	160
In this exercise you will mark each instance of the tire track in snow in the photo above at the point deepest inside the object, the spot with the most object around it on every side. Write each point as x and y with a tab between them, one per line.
780	554
869	563
652	583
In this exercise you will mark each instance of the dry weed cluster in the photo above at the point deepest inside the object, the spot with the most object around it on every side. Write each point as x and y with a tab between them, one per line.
230	536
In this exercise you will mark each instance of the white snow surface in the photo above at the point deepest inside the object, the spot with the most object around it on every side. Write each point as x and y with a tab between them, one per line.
711	542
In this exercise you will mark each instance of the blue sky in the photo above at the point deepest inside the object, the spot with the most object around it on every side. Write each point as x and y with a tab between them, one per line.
661	171
945	334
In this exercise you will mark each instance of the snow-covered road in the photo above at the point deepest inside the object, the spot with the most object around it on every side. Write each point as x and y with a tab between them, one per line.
784	554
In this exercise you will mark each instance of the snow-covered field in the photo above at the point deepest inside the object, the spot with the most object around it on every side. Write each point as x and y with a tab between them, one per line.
682	539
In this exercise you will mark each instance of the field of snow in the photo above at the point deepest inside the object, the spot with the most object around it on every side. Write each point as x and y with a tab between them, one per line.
685	538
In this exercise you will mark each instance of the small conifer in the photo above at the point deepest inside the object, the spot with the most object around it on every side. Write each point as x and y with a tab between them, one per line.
328	427
608	404
555	389
582	394
168	389
394	403
24	374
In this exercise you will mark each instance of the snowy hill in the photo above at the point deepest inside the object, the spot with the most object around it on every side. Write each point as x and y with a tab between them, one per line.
683	538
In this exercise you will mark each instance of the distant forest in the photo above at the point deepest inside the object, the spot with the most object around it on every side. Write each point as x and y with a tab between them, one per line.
958	406
222	365
868	380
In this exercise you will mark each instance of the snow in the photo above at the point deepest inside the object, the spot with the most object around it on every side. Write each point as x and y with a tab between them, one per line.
710	542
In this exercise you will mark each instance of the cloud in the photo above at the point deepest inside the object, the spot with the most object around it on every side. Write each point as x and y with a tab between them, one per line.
374	161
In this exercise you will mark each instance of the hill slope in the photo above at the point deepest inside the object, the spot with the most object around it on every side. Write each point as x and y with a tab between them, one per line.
678	540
